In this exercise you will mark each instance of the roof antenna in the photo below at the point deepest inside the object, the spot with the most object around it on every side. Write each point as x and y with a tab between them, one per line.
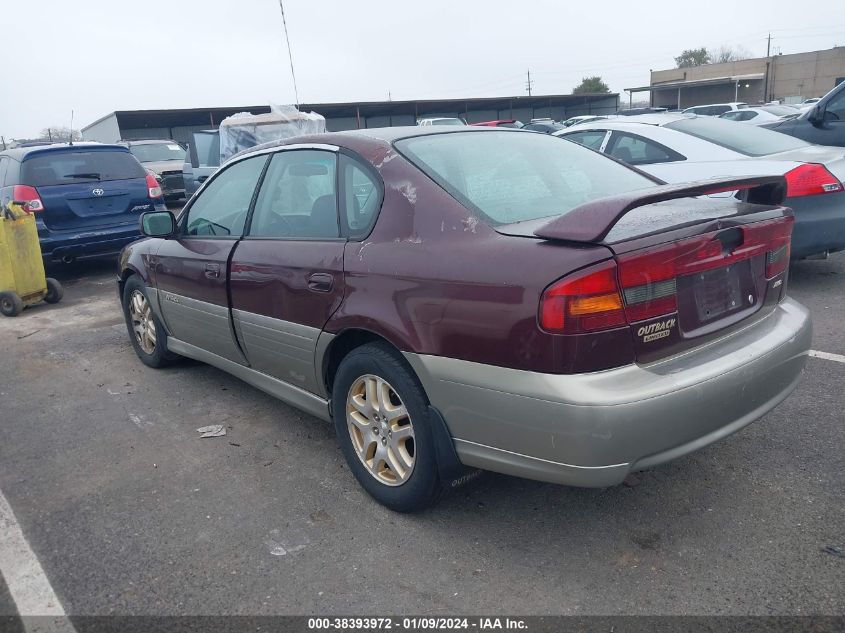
70	135
290	56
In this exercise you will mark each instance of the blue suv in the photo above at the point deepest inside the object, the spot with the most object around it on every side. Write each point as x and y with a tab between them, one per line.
86	197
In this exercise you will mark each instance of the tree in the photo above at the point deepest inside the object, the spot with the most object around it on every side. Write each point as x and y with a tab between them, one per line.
693	57
60	134
728	54
590	85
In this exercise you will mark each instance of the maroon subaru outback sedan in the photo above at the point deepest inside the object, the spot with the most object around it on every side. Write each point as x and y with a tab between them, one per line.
477	298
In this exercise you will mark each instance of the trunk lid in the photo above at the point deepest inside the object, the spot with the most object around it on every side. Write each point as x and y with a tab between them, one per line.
686	270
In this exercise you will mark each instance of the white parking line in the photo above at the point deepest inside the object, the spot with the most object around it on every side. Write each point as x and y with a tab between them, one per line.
23	574
839	358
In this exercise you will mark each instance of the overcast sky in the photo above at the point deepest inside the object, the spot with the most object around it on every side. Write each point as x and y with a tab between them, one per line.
96	56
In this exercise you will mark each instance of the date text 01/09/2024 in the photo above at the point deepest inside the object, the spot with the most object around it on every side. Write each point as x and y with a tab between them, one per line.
416	623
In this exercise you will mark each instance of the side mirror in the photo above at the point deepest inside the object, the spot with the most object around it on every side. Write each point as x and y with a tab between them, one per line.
158	224
816	116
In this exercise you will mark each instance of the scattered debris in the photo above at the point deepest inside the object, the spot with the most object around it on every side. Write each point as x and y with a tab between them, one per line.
214	430
834	551
28	335
233	444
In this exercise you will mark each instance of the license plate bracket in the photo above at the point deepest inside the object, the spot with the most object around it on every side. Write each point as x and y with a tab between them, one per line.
719	292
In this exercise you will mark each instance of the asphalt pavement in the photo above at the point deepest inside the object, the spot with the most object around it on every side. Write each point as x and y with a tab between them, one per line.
128	511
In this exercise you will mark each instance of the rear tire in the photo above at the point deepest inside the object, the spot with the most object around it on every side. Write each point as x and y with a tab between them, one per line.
55	292
381	418
10	304
146	333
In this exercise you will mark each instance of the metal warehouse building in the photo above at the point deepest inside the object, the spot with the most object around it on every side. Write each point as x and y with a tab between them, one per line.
787	78
180	124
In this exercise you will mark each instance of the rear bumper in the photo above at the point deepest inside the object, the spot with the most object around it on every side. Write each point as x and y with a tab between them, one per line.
57	246
819	224
593	429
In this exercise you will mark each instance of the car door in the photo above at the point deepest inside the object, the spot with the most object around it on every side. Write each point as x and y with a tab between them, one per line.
190	271
830	131
287	273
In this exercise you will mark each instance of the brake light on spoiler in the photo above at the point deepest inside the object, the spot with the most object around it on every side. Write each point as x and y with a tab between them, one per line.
642	285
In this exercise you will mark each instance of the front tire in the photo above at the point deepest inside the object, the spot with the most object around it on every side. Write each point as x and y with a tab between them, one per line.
381	418
147	334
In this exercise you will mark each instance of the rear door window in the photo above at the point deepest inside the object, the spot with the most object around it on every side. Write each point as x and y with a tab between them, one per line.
588	138
298	198
636	150
63	168
362	196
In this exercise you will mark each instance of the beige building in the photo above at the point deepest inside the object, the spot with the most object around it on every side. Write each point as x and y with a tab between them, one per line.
785	78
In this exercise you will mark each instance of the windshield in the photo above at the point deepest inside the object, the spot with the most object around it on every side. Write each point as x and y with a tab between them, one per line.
157	152
511	177
447	122
62	168
745	139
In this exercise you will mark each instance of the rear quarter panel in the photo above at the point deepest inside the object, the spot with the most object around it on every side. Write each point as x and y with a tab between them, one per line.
432	278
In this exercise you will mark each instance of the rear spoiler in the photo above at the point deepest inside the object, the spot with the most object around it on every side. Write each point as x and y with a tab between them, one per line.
592	222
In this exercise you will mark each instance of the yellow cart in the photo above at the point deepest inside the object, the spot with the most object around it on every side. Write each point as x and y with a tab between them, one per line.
22	278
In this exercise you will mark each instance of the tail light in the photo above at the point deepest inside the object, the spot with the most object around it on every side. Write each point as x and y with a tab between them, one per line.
28	198
643	284
810	179
154	189
586	301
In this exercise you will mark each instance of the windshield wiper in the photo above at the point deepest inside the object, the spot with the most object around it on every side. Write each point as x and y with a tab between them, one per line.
86	175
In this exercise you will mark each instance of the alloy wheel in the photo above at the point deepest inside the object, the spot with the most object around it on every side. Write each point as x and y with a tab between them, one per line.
143	325
381	430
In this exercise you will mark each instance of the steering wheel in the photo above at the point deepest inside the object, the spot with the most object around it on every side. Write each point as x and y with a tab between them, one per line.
279	226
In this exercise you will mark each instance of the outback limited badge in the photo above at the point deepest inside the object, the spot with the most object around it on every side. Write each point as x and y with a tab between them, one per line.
654	331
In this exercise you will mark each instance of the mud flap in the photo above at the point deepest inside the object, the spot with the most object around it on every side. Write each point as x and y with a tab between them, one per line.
452	472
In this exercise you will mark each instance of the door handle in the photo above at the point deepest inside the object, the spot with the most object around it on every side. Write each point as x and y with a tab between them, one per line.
212	271
320	282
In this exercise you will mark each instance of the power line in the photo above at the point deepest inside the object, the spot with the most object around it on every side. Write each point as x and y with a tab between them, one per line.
290	56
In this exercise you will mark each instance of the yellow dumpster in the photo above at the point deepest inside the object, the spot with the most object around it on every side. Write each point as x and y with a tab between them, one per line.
22	278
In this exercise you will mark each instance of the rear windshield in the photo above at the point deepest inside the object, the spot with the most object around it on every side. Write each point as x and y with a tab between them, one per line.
511	177
745	139
155	152
62	168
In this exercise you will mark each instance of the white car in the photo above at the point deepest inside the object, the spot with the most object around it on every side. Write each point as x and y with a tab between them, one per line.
761	114
715	109
444	120
583	118
678	149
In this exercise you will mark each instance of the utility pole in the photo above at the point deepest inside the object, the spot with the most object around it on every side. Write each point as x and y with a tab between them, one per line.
528	83
769	45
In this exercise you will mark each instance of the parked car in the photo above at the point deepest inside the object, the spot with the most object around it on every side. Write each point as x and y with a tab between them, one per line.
822	123
442	121
546	126
583	118
500	123
201	160
715	109
761	114
636	111
681	149
86	197
165	157
477	298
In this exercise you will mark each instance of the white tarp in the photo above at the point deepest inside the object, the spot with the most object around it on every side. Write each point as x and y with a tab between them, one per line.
244	130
